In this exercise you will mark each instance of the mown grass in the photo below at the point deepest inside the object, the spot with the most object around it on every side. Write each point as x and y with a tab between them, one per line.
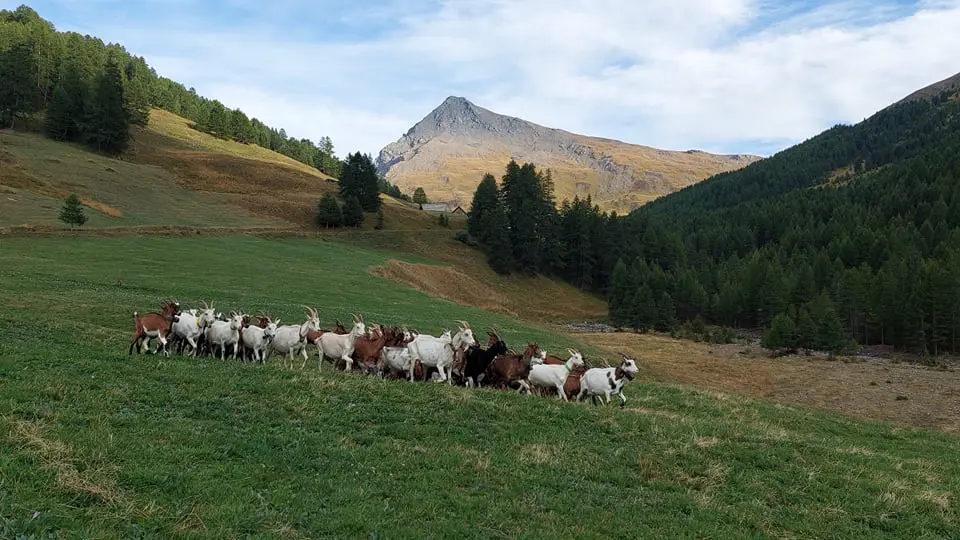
94	443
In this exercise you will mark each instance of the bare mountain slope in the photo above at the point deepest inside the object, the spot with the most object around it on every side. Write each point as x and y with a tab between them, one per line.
928	92
448	152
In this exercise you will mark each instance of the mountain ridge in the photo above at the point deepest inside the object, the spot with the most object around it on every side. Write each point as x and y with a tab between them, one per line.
448	151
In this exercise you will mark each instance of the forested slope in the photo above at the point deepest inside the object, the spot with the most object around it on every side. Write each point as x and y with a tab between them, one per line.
853	233
88	91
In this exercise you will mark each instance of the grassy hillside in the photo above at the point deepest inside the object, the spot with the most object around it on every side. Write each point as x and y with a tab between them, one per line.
173	175
94	443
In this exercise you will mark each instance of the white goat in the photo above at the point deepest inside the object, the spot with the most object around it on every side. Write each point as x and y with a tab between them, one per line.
440	352
393	359
290	339
258	340
340	346
554	375
192	324
598	382
224	333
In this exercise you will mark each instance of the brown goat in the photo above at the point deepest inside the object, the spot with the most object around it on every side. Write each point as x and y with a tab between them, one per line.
366	350
507	369
154	325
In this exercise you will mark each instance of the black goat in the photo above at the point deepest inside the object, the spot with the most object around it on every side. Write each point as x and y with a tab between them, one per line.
477	359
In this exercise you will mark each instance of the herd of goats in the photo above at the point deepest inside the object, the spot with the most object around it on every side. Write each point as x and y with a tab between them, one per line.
387	352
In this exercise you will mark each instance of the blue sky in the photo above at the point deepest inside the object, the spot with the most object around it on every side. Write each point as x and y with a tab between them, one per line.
732	76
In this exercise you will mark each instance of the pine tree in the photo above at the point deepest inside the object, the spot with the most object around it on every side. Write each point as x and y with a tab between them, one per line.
619	291
420	196
359	178
108	126
58	121
78	94
643	308
18	82
666	313
486	199
782	333
352	212
72	212
497	241
328	212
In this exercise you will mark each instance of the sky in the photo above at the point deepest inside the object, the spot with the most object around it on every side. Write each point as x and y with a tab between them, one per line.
727	76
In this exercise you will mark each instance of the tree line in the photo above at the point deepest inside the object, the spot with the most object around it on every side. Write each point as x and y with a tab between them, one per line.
92	92
850	237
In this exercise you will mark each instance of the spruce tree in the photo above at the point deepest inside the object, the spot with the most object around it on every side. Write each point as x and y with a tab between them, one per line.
58	120
78	93
666	313
782	333
18	82
497	242
617	298
643	308
486	199
352	212
328	211
72	212
359	178
108	127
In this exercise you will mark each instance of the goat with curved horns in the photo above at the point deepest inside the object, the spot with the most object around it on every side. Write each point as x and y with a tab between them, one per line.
291	339
340	347
553	376
440	352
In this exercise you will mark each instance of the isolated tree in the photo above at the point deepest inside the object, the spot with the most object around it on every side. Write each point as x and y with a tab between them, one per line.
352	212
443	220
328	211
72	212
420	196
108	127
59	121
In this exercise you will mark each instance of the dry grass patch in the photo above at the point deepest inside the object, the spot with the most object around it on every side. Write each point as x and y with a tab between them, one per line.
447	283
808	381
941	499
536	453
57	456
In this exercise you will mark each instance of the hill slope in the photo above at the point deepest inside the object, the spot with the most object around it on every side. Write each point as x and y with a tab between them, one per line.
854	233
97	444
176	177
448	152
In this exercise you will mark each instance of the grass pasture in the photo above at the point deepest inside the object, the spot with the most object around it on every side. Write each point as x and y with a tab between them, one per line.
94	443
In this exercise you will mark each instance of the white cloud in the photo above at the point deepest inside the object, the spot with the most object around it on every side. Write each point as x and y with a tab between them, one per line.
721	75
